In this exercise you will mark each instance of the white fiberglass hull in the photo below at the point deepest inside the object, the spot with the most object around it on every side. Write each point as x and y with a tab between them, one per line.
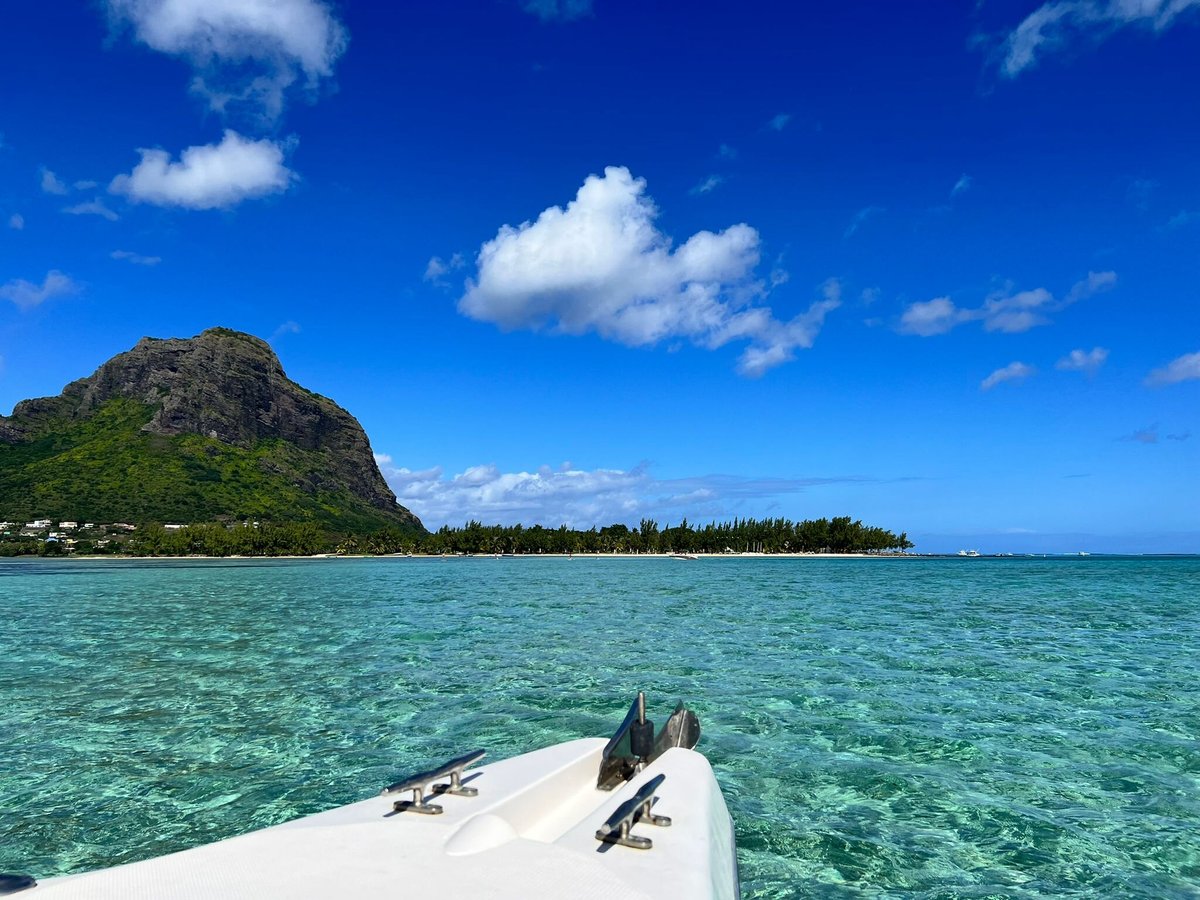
530	833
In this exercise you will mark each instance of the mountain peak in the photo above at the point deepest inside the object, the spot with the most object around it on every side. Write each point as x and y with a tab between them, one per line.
229	389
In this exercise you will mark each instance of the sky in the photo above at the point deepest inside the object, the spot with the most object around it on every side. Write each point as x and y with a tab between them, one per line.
932	266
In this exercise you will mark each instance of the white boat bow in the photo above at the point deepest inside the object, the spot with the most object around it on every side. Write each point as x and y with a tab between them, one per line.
537	826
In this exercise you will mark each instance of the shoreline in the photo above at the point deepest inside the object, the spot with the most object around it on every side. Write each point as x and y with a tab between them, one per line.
690	557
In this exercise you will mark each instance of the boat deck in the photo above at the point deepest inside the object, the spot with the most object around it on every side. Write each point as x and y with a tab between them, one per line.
530	833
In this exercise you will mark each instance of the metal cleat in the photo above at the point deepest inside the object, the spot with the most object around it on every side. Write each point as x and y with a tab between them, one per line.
616	830
420	782
11	884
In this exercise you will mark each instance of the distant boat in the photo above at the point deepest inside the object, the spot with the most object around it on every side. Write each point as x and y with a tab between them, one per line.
683	556
968	552
1084	553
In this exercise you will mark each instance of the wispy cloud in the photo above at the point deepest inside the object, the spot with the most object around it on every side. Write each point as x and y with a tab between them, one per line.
779	121
92	208
1182	368
1150	435
1147	435
726	152
1095	283
962	185
1002	310
288	327
51	183
1062	23
136	258
437	269
16	222
581	498
860	217
211	176
1086	361
558	10
601	265
1014	371
27	294
926	318
245	54
1140	191
1182	219
709	184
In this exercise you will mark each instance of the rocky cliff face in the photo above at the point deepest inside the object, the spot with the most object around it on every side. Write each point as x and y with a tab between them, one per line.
228	387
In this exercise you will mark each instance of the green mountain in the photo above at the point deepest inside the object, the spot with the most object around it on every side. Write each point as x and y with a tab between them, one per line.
201	429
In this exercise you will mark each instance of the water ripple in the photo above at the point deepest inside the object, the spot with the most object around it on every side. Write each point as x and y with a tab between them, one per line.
916	729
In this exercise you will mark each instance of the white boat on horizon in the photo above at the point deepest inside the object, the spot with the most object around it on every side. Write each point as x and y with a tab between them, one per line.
635	817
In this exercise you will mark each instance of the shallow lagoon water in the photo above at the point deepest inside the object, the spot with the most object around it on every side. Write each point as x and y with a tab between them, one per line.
881	728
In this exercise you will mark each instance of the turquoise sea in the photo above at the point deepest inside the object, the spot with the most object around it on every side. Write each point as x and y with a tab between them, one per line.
881	728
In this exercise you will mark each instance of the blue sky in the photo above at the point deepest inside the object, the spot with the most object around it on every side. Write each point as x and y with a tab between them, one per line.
933	267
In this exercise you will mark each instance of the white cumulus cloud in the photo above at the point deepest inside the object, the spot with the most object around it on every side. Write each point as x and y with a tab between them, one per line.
27	294
243	51
600	265
1014	371
1059	24
1182	368
1088	361
1002	310
209	176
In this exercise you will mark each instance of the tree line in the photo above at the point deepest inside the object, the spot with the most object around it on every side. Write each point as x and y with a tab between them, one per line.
266	539
838	535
